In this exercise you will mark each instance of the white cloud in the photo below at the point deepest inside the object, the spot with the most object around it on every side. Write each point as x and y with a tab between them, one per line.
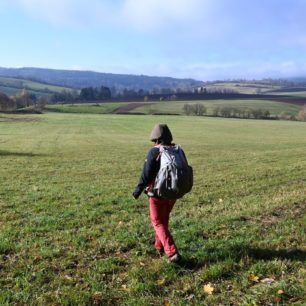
52	11
206	17
75	13
151	15
140	15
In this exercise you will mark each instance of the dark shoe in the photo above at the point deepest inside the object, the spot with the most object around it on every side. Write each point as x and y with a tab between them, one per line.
160	252
175	258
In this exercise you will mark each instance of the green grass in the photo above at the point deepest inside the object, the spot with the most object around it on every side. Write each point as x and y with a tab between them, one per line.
71	234
9	91
243	88
253	87
297	94
92	108
172	107
275	108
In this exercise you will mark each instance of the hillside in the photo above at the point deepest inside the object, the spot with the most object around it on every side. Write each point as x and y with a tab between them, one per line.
80	79
12	86
259	87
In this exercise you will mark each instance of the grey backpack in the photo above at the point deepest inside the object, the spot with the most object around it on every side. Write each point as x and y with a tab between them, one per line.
175	177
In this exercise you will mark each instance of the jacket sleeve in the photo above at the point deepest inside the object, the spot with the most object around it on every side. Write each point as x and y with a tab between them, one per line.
184	155
149	171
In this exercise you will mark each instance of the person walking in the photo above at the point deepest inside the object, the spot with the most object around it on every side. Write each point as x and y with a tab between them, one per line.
160	208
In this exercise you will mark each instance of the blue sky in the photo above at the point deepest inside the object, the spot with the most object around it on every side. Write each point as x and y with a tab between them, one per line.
202	39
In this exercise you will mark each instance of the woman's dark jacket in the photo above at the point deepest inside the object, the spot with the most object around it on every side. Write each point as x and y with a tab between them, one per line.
150	169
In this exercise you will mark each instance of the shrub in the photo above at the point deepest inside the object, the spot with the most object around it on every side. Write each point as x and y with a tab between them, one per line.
173	97
199	109
194	109
284	116
232	112
187	108
302	114
216	111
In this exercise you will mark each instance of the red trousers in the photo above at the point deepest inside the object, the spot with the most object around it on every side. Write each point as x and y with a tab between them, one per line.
159	212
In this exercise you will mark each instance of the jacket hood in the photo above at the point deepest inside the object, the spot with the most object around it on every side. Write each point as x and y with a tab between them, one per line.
161	133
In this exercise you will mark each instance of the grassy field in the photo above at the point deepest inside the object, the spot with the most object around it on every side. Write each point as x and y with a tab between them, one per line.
275	108
92	108
298	94
71	234
258	87
173	107
243	88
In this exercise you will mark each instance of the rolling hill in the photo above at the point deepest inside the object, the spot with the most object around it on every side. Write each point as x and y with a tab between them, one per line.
12	86
80	79
259	87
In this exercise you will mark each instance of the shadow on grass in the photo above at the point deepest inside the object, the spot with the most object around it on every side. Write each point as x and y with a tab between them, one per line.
268	254
190	263
237	253
11	153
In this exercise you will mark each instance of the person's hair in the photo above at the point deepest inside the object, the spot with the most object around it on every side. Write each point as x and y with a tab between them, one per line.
162	142
161	134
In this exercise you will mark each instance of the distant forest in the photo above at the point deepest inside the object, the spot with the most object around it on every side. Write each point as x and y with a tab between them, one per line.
90	94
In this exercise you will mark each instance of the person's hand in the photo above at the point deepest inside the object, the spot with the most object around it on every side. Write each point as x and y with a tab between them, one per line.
135	195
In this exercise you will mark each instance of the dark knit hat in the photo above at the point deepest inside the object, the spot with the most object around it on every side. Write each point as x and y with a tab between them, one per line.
161	133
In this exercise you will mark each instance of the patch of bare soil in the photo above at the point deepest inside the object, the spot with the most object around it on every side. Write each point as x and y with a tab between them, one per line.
296	210
18	119
300	102
126	109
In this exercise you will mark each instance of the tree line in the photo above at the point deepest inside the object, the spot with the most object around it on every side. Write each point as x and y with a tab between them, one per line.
194	109
233	112
85	94
226	112
106	93
22	100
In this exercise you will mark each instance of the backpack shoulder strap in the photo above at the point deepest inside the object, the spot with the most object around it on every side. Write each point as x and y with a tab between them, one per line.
161	149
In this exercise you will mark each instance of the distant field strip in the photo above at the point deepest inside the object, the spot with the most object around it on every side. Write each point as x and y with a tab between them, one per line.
173	107
177	107
88	108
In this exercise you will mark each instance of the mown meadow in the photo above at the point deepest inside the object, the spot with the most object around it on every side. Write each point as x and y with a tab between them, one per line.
275	108
71	233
